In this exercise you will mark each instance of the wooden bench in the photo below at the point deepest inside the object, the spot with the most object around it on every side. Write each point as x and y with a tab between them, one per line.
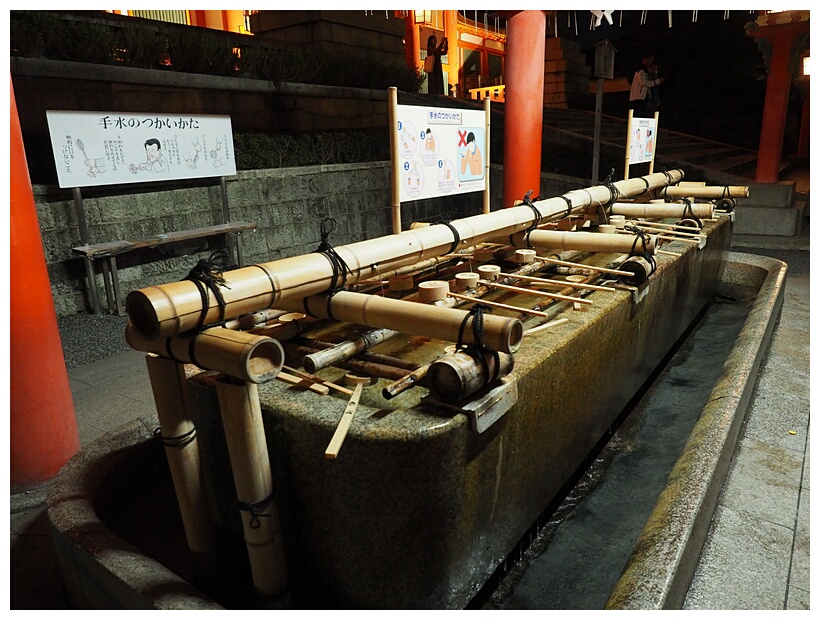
108	252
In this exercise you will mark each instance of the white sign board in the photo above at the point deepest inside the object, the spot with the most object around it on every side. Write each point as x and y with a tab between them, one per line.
641	141
109	148
441	151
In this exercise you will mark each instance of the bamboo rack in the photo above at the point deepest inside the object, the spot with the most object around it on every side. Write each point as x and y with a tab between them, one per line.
174	308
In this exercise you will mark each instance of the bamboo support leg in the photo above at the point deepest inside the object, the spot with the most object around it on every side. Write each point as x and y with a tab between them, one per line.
250	463
170	388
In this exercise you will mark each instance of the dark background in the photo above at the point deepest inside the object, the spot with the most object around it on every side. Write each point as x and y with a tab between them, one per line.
716	73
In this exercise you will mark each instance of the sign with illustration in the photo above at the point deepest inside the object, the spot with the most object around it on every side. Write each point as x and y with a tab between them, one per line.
441	151
641	143
109	148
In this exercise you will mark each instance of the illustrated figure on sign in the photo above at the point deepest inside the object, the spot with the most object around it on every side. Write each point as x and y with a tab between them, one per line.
650	144
95	165
430	141
154	158
191	161
217	155
471	157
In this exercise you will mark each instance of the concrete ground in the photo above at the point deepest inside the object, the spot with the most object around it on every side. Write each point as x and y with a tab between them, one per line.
756	555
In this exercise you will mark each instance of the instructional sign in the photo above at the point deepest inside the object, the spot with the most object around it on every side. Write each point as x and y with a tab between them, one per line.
109	148
441	151
641	144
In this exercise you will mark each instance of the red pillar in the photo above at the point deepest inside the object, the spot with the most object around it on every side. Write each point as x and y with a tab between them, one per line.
43	427
523	104
803	140
775	108
412	49
453	54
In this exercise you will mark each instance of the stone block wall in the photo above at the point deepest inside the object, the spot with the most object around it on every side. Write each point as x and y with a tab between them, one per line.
376	34
566	73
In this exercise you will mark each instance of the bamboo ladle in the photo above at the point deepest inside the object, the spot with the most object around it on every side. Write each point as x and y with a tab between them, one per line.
358	382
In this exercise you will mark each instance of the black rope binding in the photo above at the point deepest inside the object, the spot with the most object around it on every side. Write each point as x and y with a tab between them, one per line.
339	266
180	441
445	219
689	213
256	510
643	237
479	348
536	217
207	275
614	193
569	205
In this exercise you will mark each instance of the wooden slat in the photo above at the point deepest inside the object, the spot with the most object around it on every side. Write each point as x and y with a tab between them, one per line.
112	248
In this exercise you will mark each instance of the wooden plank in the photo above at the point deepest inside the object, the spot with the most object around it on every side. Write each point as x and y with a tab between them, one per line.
112	248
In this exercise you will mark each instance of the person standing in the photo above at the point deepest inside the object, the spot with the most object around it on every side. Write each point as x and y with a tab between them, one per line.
435	78
639	93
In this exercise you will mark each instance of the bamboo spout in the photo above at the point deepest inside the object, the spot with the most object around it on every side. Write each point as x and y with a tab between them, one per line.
589	241
658	211
242	355
707	191
501	333
166	310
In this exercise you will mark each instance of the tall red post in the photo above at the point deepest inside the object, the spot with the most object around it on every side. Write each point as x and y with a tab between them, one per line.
523	104
783	32
43	427
775	109
412	49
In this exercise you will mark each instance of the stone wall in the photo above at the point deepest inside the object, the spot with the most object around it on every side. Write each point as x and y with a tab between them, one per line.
287	204
253	105
378	35
566	75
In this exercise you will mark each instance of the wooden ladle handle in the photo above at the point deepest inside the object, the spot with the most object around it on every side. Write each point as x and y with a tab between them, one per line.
332	450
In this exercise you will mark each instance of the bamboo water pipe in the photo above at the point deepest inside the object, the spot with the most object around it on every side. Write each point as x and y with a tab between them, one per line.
367	356
296	352
169	309
178	432
650	210
347	349
707	191
501	333
453	377
406	382
250	464
588	241
247	356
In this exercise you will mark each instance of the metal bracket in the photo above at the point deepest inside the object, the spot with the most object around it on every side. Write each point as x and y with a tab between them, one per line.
488	405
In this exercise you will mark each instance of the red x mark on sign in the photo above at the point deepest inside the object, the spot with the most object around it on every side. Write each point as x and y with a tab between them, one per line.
462	138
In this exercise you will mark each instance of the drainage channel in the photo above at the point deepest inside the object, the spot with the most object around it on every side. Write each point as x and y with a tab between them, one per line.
573	556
